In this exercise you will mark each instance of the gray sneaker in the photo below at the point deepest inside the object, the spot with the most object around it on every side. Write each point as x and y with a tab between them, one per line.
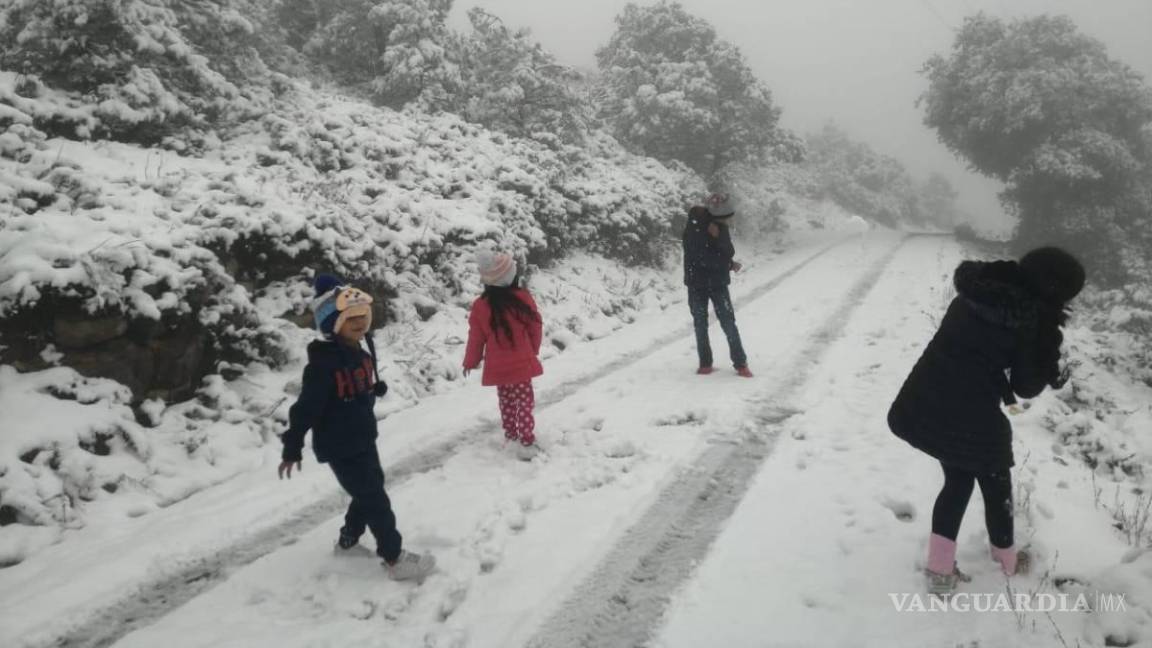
410	566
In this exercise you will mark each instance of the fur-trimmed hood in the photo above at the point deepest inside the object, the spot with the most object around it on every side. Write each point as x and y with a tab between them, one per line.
998	292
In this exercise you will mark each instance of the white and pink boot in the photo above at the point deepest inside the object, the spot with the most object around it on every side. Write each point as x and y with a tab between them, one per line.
941	570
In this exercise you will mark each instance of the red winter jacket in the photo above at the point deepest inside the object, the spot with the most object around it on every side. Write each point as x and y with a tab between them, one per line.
504	364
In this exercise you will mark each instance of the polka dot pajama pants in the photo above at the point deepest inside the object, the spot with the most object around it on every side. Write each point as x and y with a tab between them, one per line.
516	404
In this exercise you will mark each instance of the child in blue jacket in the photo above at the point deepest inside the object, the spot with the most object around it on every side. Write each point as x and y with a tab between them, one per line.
337	399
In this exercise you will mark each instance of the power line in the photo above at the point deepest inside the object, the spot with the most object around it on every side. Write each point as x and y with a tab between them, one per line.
932	9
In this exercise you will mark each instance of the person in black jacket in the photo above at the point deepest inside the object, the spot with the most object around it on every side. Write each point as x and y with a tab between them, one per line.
708	260
337	401
1000	338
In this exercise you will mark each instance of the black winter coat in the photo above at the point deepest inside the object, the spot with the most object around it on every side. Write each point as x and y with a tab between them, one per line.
996	341
707	259
337	401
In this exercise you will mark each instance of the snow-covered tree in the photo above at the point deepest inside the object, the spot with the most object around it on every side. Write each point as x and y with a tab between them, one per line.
786	147
397	49
299	19
676	91
149	66
861	180
1043	108
510	83
937	198
1010	88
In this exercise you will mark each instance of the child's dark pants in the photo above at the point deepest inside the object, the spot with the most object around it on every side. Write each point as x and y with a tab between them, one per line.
953	500
363	478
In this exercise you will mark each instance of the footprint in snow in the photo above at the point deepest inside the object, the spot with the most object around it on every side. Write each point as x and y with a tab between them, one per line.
487	545
621	450
844	546
592	478
455	595
393	607
689	417
516	520
258	597
902	509
488	558
363	610
446	638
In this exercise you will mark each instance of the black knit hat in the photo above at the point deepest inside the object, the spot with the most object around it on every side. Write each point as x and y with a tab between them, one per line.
1053	274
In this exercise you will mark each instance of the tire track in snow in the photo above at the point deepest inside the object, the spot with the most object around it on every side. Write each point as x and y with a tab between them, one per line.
188	579
622	600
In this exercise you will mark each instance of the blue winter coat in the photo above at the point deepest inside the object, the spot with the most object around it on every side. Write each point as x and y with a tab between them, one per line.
707	259
337	400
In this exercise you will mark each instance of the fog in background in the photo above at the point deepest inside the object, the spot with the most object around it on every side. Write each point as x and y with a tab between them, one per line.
853	62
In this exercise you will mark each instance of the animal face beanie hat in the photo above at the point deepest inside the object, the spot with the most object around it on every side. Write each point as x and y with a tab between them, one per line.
335	303
496	269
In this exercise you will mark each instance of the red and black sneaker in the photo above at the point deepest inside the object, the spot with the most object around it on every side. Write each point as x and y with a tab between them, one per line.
704	371
744	372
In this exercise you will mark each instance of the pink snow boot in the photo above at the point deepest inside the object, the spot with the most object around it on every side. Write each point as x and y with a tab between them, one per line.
941	554
941	570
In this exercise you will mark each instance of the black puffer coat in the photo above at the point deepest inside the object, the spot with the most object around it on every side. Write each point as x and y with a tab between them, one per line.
707	258
997	340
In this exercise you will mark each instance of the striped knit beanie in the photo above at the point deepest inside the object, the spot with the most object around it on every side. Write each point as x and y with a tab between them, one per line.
496	269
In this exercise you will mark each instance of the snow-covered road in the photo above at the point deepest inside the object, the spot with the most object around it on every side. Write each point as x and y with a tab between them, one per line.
671	509
513	539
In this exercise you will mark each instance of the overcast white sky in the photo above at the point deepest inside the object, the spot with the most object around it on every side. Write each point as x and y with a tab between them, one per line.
854	62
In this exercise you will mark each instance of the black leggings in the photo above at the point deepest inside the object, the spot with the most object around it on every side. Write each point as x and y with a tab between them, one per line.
953	499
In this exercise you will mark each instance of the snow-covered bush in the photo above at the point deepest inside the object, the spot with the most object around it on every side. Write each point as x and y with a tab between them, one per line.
399	203
1103	415
396	49
761	193
865	181
139	70
512	84
676	91
73	447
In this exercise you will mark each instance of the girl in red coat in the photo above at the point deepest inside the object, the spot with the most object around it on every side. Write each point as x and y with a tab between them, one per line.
504	330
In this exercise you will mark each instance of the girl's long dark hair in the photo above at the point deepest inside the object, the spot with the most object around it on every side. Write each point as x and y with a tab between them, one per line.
504	304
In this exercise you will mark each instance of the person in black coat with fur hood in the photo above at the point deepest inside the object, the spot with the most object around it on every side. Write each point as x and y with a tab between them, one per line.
999	339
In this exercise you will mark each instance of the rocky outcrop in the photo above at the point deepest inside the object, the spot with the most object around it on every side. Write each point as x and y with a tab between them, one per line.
154	359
